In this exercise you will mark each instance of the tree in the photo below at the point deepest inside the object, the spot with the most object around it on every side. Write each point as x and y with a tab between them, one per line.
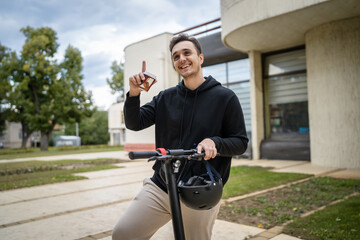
93	130
48	93
117	80
74	103
5	85
14	99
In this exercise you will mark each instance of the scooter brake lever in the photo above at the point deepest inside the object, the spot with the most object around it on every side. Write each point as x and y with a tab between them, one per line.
153	158
196	156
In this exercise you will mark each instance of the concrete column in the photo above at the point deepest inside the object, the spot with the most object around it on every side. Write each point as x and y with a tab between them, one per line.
333	69
111	138
257	104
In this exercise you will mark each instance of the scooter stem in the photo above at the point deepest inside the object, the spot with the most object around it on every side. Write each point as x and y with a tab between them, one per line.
174	200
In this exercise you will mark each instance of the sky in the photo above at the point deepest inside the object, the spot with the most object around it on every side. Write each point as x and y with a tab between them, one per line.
101	29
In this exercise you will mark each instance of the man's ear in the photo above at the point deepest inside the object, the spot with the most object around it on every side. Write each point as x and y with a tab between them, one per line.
201	56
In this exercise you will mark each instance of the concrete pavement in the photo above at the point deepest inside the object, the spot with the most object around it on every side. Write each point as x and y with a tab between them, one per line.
88	209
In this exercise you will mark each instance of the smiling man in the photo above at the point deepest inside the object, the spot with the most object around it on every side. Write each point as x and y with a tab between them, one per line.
197	113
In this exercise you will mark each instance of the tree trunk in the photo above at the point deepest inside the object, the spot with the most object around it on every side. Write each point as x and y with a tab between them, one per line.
24	140
25	134
44	141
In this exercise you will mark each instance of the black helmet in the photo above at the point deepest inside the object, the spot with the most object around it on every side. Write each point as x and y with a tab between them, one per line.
201	192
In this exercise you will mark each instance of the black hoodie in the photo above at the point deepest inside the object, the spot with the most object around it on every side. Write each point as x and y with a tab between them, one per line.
183	118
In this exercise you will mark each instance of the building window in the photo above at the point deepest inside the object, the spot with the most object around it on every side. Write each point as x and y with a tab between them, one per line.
286	100
235	75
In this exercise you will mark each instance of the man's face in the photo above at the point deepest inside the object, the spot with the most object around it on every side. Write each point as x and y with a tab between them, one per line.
186	60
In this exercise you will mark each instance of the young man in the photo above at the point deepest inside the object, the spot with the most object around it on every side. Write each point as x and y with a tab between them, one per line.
197	113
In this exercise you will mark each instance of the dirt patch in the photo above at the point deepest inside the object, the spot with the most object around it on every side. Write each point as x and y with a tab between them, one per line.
76	166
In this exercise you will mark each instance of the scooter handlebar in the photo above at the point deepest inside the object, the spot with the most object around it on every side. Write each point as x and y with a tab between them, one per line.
172	152
149	154
143	154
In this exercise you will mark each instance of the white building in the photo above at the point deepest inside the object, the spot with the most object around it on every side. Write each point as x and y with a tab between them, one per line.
116	123
12	136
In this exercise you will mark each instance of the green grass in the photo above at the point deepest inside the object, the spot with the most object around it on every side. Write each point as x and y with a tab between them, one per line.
338	221
35	152
32	173
244	179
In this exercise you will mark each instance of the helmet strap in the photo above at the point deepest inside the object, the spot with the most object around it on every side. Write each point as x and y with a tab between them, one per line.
208	169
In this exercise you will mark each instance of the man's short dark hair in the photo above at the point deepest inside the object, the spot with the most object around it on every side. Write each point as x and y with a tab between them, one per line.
185	37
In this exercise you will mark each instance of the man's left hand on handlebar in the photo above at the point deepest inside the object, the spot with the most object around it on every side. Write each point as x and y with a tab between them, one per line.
208	146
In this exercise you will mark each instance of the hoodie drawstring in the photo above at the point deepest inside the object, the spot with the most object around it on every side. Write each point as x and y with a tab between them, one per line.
182	119
193	110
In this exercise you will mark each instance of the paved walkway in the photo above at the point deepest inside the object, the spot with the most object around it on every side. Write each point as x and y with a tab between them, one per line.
89	209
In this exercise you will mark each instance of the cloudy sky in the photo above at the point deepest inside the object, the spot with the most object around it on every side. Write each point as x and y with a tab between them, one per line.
101	29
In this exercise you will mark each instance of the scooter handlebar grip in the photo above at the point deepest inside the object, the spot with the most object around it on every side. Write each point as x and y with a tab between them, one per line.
143	154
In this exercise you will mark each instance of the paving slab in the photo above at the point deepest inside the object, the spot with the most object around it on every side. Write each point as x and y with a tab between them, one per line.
284	237
106	238
347	173
267	163
70	226
222	231
307	168
72	202
109	178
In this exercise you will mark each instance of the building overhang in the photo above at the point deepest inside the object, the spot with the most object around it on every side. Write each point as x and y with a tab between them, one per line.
215	52
279	24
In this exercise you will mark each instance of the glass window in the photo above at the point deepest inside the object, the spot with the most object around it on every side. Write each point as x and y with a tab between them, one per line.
289	121
239	70
286	107
285	62
286	89
242	91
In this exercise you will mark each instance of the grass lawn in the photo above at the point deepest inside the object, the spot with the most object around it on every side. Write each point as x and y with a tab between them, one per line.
244	179
338	221
35	152
32	173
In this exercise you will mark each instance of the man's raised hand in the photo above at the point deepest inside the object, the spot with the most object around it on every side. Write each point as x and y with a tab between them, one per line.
136	80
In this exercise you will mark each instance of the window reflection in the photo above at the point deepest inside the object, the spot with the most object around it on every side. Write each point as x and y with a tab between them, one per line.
229	72
239	70
217	71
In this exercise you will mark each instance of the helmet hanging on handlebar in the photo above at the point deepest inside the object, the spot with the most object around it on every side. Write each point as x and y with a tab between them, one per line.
201	192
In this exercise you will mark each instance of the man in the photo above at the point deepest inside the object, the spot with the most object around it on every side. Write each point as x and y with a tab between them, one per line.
197	113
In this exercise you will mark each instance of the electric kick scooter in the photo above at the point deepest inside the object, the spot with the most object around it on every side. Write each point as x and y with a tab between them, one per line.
170	162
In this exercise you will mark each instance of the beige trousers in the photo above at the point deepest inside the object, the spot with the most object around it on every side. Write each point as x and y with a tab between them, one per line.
150	210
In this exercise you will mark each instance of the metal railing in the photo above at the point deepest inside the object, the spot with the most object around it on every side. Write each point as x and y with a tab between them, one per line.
203	28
